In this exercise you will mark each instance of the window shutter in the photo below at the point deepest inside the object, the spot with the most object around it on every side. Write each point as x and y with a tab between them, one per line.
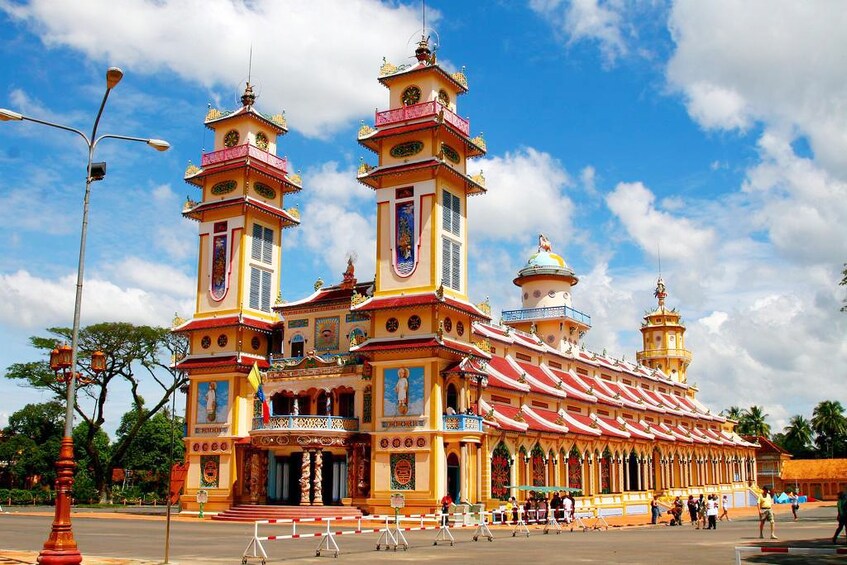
456	257
254	287
267	246
445	261
446	217
455	215
266	291
256	247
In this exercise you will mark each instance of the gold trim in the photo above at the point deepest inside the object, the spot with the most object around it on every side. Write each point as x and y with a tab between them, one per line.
213	114
387	68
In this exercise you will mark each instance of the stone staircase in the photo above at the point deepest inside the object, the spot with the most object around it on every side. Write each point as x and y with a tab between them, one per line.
253	512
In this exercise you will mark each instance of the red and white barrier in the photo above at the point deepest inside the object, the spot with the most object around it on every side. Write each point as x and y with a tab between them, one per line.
791	550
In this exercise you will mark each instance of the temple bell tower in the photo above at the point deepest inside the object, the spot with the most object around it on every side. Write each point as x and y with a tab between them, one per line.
663	337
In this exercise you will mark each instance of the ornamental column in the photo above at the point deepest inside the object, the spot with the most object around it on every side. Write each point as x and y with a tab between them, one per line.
318	479
305	478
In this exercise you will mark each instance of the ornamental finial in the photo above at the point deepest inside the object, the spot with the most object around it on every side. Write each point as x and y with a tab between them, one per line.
248	98
660	292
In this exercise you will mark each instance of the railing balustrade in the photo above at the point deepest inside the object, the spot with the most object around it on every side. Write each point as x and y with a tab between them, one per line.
245	150
309	422
544	313
462	422
422	110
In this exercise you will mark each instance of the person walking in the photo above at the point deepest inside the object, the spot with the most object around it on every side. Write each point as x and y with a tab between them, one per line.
701	512
842	516
795	504
725	508
692	511
712	511
766	512
567	508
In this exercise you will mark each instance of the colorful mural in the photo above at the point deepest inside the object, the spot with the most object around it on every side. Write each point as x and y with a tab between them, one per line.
210	471
574	470
403	391
326	333
538	467
404	243
500	472
218	288
212	402
402	471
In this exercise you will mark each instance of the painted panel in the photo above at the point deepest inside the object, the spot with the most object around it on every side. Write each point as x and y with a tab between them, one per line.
326	333
210	466
219	267
402	471
212	402
403	391
405	241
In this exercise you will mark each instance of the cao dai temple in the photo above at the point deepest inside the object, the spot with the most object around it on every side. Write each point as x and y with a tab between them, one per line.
402	384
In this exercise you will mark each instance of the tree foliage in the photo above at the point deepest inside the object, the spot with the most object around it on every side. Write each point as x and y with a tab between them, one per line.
30	445
133	354
753	421
830	427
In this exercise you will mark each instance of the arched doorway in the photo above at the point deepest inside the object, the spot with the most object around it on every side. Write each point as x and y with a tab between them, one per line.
452	398
634	474
454	477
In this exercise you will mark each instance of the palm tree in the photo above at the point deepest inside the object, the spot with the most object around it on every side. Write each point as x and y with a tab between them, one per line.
830	425
732	413
798	435
753	422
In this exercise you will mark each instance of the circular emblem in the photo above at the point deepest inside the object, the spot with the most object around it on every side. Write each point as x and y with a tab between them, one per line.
443	97
255	343
214	446
408	442
406	149
383	443
403	472
231	138
222	340
262	141
224	187
525	295
412	95
551	293
224	446
195	447
536	293
421	442
460	328
205	446
392	324
264	190
396	442
206	342
448	324
414	322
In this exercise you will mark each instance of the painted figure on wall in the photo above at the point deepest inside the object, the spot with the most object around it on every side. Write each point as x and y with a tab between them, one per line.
403	392
404	260
219	267
212	402
326	333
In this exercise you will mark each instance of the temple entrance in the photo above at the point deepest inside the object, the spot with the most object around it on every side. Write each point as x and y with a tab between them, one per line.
454	477
333	478
633	473
286	482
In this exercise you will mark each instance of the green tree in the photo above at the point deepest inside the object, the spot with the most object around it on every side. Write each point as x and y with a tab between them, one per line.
732	413
797	438
30	445
753	422
132	353
830	427
157	444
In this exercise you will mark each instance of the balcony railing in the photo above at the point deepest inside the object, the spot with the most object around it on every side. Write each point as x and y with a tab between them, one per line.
462	423
677	353
545	313
291	422
422	110
245	150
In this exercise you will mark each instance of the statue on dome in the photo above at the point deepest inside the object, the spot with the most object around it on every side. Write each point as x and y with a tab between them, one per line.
543	243
660	292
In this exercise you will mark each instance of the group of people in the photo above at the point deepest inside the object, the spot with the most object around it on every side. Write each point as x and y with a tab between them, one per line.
703	512
561	507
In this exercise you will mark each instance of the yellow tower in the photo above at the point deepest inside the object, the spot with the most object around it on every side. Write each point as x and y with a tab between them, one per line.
241	217
420	342
663	336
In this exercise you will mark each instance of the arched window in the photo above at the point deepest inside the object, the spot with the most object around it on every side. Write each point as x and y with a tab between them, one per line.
452	397
297	345
501	465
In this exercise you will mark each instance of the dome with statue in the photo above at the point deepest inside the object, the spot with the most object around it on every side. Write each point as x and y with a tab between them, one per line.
545	262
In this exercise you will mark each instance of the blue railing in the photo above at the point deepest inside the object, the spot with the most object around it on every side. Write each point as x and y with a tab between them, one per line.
311	422
546	312
462	423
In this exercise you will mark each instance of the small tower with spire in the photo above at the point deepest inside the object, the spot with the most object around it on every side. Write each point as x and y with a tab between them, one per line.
663	337
546	282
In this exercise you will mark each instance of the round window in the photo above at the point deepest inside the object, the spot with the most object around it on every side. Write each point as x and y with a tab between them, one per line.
231	138
536	293
222	340
460	328
262	141
448	324
206	342
551	293
392	324
410	96
255	343
414	322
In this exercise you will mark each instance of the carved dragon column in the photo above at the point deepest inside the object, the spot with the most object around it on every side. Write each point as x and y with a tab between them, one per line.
318	478
305	479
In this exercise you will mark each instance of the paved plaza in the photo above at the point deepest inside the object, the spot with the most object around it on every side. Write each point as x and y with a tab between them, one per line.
120	539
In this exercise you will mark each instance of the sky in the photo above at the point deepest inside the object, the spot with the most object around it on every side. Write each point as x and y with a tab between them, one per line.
710	134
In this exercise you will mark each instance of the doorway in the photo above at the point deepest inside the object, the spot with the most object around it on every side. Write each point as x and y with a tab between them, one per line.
454	477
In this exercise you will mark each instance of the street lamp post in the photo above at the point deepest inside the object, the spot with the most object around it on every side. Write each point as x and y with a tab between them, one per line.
60	548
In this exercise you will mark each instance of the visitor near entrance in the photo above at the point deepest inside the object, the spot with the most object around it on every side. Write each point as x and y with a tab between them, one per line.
842	516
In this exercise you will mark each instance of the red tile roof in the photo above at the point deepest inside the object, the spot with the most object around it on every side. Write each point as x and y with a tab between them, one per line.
410	301
224	322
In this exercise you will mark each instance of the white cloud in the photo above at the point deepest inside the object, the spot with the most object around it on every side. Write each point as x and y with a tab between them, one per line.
34	303
526	195
678	238
587	20
310	57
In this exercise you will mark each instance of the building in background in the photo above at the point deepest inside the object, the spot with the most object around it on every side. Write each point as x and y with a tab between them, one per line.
403	384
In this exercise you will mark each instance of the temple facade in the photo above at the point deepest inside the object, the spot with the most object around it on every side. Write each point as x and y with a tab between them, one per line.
402	384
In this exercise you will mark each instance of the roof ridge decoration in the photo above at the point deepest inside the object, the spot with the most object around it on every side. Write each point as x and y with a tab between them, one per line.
485	306
365	130
191	169
177	320
479	141
387	68
484	345
459	76
356	299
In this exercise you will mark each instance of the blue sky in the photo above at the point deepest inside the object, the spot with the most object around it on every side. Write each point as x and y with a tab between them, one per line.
716	131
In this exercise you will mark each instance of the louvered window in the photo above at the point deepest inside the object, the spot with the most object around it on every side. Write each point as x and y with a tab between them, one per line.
260	289
263	244
451	261
451	213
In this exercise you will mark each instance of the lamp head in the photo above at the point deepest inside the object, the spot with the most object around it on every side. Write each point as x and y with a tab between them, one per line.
159	144
8	115
113	77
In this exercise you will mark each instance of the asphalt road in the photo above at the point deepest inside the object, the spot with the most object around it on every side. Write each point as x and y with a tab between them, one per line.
194	542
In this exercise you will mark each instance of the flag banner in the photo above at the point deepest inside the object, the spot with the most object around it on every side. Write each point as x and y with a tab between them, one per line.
254	378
